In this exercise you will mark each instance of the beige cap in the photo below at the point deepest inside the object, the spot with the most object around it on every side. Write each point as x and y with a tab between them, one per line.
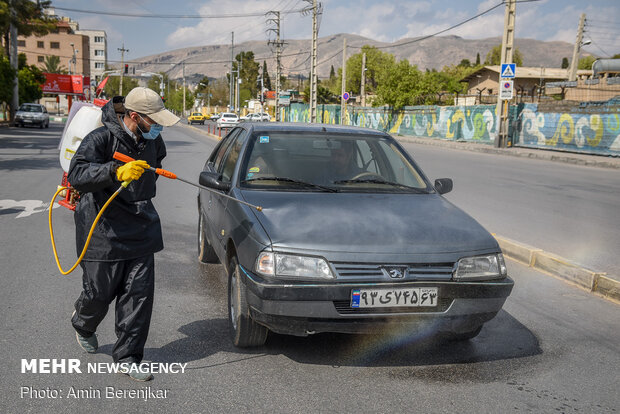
147	102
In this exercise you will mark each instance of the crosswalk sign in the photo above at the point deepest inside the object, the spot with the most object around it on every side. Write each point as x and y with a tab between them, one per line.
508	70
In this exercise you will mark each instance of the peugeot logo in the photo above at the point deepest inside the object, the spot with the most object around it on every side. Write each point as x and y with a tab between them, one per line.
396	272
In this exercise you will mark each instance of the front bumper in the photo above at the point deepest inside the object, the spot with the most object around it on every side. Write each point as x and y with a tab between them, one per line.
306	308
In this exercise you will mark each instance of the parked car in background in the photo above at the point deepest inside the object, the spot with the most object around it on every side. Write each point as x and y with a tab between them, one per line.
196	117
215	117
256	117
227	120
351	237
32	114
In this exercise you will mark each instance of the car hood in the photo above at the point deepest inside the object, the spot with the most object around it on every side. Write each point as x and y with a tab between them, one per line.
374	223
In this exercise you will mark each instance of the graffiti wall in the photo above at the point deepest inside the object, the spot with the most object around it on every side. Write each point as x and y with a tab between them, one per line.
468	123
595	130
597	133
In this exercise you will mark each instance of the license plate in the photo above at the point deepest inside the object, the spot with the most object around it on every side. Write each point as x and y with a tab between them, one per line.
390	298
27	120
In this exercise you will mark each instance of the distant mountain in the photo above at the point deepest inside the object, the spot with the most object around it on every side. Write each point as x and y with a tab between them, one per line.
434	52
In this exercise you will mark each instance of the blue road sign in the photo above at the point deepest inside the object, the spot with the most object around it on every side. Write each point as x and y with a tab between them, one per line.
508	70
345	96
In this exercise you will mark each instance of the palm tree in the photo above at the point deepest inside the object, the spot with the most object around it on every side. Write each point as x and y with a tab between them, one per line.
52	65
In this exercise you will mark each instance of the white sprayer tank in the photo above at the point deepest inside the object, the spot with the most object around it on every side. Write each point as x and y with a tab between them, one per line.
84	121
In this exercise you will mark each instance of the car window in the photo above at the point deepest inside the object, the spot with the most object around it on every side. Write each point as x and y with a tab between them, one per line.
342	162
231	157
218	155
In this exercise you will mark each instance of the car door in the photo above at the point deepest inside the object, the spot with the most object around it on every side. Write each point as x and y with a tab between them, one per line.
227	169
206	197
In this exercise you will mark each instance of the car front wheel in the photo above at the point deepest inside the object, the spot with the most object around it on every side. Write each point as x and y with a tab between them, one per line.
464	336
244	331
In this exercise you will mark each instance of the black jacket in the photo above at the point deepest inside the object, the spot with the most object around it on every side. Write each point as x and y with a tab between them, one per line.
130	226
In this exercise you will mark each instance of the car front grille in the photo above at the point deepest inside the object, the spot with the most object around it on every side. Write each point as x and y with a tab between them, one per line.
343	307
415	271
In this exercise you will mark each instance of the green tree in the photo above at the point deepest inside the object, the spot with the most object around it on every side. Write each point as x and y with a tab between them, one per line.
323	95
28	18
586	62
465	63
248	73
112	87
51	64
398	85
565	63
477	59
266	78
30	80
155	83
219	90
332	73
494	56
377	63
7	74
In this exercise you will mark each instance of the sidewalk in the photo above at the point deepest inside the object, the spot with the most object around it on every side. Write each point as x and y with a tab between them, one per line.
602	161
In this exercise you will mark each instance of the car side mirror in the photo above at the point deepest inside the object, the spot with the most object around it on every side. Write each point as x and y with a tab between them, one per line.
213	180
443	185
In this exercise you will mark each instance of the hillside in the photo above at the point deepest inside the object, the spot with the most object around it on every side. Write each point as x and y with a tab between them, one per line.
435	52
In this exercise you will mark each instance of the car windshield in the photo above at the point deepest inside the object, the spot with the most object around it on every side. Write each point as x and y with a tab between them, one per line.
30	108
196	114
229	116
346	163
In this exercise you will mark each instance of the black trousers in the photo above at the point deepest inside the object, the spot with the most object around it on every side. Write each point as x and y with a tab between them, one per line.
131	283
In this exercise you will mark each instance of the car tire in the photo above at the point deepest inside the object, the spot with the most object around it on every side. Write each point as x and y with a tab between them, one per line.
42	125
244	332
463	336
206	254
47	124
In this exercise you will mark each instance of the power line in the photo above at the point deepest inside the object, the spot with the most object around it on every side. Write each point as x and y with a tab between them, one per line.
173	16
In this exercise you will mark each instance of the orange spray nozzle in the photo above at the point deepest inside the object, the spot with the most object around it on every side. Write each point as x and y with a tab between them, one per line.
126	158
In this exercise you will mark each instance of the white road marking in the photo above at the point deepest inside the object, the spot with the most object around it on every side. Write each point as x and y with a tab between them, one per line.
30	207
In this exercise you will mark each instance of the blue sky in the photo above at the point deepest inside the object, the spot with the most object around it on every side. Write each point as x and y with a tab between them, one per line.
380	20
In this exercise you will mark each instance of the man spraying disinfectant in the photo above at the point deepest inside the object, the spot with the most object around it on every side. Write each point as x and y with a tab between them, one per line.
119	264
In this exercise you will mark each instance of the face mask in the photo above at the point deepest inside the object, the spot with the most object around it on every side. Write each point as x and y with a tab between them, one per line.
153	132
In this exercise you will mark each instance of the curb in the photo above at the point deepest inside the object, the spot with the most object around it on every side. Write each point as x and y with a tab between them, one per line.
202	131
582	277
588	160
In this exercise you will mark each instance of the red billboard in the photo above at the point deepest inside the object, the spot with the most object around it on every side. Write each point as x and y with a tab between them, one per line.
60	84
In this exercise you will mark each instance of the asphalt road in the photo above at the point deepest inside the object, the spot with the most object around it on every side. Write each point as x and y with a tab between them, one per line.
554	348
565	209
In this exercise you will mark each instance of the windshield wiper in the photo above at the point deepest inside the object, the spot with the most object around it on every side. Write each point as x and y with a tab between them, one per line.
377	181
293	181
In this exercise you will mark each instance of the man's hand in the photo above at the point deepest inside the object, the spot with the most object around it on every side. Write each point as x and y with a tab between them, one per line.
132	170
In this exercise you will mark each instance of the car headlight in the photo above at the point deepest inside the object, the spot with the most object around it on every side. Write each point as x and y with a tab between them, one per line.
486	267
293	266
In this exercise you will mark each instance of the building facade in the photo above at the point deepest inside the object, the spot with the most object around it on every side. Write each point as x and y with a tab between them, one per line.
72	49
98	44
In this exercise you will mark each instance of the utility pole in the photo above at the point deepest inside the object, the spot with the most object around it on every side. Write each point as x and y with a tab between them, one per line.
343	88
278	44
122	50
572	76
14	65
506	57
363	85
183	89
232	57
313	76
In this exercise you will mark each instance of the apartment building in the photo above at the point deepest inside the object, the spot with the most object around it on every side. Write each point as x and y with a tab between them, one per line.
72	49
98	52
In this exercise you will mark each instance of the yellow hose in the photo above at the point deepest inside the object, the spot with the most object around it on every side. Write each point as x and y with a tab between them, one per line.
90	233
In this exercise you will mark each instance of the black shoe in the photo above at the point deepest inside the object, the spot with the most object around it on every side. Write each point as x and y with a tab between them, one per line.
134	372
88	344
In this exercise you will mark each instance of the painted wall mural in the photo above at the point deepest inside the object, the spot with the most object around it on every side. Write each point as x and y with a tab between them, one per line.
595	131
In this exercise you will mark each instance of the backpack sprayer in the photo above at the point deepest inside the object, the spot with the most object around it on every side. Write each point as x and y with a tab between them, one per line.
84	120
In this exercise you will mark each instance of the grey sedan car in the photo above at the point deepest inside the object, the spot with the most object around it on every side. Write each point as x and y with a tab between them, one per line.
350	236
32	114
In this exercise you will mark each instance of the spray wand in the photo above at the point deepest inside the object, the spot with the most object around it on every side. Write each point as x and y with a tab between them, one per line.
173	176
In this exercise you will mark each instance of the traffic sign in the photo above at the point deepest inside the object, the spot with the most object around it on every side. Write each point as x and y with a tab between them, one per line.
508	70
345	96
506	89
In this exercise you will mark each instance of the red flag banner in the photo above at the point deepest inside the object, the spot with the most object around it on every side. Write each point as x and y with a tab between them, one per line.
101	86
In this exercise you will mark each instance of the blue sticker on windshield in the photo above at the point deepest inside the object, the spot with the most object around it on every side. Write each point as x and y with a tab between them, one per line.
264	140
250	175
